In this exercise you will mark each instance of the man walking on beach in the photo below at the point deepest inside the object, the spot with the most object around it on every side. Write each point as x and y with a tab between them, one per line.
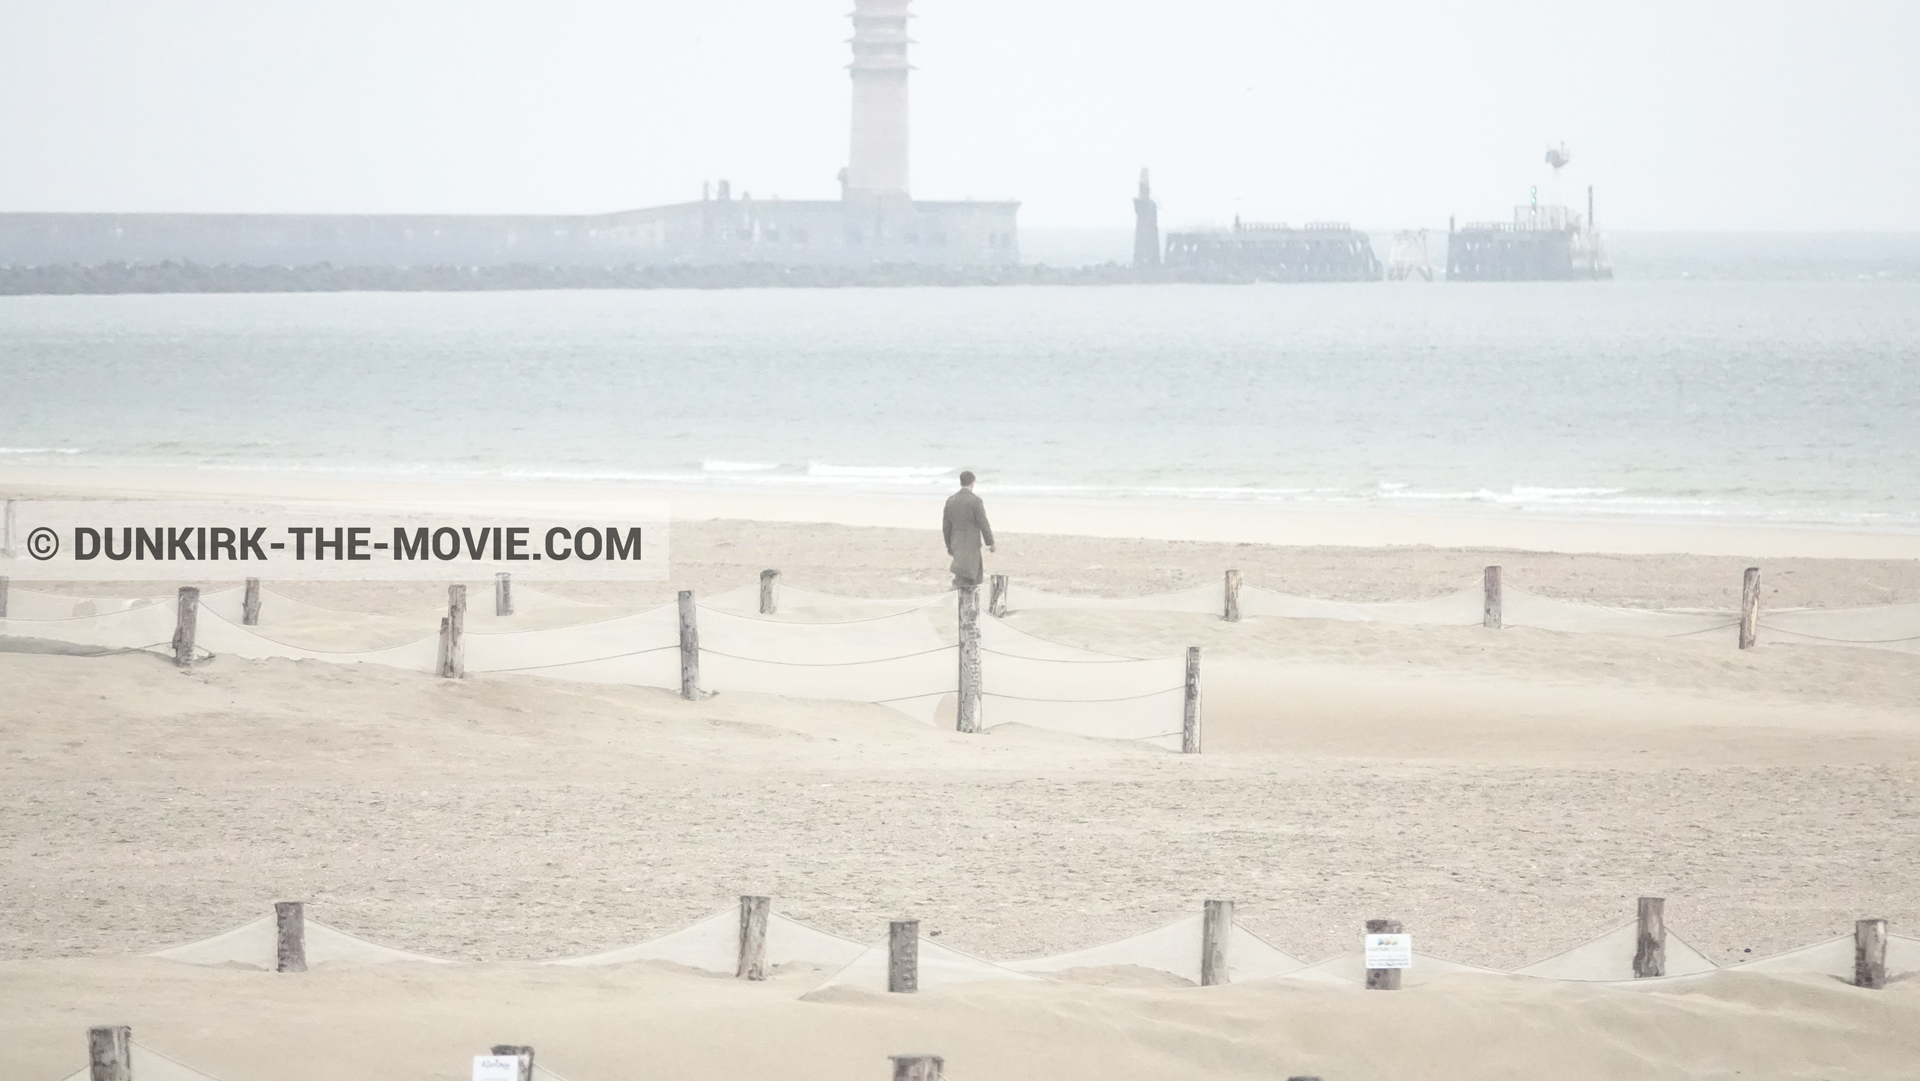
965	527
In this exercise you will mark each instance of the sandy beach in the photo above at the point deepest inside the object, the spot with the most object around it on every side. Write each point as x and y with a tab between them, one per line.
901	541
1505	794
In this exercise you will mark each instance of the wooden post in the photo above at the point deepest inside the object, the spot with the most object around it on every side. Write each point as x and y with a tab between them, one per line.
1232	611
769	597
290	939
997	598
250	604
918	1067
186	619
522	1051
967	715
502	594
1383	979
440	654
110	1053
1749	607
754	913
689	648
1490	587
1650	945
9	525
5	584
453	661
1870	954
1190	712
1216	929
903	955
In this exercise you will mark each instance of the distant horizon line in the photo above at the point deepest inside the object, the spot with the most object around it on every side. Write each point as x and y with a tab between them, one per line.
1126	228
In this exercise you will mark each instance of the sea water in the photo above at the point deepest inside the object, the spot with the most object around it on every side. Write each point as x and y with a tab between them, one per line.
1750	401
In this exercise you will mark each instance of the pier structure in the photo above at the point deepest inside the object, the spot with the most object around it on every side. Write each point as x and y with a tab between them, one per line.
1542	243
1547	242
875	222
1314	252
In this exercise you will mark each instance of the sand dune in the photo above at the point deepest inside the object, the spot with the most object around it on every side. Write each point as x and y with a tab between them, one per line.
1507	795
152	806
645	1021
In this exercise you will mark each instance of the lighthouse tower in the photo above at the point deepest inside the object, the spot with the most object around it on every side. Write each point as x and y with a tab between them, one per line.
877	163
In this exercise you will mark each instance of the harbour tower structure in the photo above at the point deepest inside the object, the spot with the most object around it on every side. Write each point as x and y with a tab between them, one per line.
1146	226
1543	242
1257	251
875	221
877	153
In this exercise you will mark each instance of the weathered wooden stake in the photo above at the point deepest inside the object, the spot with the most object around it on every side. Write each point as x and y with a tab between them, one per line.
1190	711
502	594
522	1051
453	663
290	938
9	525
6	584
250	604
1232	611
967	715
440	653
754	912
1749	607
186	620
769	597
1490	587
918	1067
997	598
1383	979
903	955
1650	944
689	648
110	1053
1870	954
1216	929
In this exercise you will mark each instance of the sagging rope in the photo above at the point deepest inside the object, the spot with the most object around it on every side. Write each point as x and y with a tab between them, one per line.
1841	641
1082	701
824	664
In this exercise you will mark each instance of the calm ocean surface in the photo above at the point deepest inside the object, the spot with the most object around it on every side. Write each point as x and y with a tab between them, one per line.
1759	401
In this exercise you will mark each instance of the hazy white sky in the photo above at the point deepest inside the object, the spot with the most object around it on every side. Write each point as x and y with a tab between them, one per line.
1684	115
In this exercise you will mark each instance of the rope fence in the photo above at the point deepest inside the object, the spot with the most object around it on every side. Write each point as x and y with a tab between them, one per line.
1490	605
1207	948
757	639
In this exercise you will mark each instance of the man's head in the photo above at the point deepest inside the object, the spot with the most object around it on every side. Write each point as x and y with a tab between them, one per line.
966	478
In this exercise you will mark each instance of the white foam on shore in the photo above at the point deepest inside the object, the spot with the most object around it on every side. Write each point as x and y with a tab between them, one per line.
1570	503
737	467
878	472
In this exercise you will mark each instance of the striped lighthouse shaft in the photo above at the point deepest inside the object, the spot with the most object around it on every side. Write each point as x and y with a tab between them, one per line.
877	162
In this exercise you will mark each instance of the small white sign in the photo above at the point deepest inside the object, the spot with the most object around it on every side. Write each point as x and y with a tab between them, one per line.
1388	951
496	1068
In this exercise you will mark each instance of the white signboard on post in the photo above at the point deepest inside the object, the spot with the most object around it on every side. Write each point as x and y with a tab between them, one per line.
1389	951
496	1068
